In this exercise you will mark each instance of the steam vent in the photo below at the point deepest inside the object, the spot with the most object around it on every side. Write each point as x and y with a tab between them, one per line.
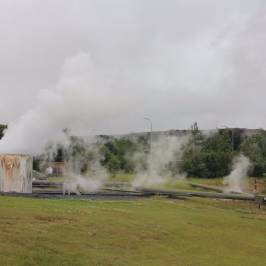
15	173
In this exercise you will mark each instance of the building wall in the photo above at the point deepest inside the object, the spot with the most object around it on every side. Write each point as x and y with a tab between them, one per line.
15	173
58	168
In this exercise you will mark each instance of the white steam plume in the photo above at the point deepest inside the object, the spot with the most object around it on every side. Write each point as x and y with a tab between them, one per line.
165	151
80	99
237	179
79	184
83	170
92	181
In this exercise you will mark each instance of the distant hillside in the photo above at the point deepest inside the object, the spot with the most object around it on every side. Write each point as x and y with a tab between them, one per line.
181	132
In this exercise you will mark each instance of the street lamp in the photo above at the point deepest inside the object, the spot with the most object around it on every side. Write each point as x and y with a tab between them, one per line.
150	122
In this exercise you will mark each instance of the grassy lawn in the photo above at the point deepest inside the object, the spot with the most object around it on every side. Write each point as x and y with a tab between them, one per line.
143	232
185	184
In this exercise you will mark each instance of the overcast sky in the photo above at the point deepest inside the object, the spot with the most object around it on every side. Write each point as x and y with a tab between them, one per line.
175	62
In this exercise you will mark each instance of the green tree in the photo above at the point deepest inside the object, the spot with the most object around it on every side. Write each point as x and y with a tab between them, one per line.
254	147
117	154
207	156
2	129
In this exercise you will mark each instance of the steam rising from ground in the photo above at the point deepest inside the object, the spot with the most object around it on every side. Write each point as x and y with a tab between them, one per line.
77	184
90	181
237	179
165	153
83	170
85	173
162	165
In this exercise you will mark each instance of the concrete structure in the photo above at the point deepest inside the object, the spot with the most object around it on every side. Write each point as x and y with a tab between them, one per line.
55	168
15	173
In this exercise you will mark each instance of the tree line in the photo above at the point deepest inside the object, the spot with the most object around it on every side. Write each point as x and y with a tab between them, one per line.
204	155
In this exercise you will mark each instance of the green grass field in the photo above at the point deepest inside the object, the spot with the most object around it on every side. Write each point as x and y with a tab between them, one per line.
142	232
